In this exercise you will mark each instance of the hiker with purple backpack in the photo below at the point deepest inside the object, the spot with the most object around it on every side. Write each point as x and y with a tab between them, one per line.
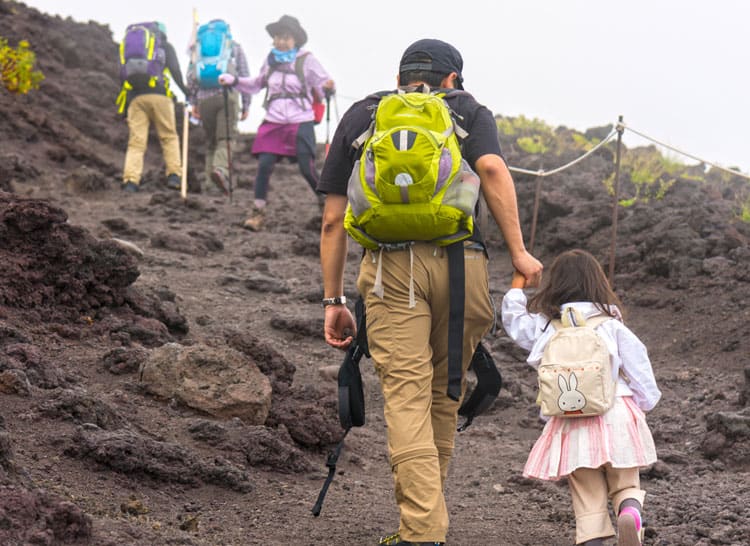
147	63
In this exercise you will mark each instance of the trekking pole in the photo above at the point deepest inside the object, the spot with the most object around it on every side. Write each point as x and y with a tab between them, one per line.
328	123
185	125
328	120
229	144
336	106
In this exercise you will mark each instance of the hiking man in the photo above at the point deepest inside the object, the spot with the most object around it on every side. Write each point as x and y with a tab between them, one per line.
216	52
407	293
147	62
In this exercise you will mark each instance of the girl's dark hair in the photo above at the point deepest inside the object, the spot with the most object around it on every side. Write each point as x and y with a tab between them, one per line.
575	275
433	79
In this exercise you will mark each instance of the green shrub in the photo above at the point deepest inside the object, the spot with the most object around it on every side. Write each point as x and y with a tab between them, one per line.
649	174
17	72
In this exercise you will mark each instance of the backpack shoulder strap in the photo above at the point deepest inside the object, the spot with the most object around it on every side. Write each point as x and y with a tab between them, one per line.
361	139
572	317
299	71
597	320
461	133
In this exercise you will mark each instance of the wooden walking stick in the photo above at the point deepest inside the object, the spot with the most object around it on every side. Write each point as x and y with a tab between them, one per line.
186	112
615	205
185	125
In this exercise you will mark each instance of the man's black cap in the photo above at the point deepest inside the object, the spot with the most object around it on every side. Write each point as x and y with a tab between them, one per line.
434	56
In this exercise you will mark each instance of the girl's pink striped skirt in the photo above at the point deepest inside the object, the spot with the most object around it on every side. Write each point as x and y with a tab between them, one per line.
620	437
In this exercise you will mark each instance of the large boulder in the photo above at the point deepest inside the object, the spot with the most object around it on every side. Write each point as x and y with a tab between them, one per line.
221	382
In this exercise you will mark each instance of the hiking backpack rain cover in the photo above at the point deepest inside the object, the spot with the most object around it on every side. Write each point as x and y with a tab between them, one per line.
142	56
411	183
213	53
575	373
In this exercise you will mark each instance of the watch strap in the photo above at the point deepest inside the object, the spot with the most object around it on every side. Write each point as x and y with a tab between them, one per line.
338	300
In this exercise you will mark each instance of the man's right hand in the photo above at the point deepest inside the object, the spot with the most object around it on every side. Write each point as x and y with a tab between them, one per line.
339	328
529	267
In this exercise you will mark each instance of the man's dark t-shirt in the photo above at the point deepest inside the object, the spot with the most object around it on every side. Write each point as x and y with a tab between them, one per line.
471	116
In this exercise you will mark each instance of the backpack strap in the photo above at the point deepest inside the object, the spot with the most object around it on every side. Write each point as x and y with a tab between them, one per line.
489	383
361	139
572	318
349	415
333	457
299	71
457	283
461	133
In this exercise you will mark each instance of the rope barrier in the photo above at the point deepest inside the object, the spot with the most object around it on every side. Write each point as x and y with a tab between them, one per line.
619	126
543	173
691	156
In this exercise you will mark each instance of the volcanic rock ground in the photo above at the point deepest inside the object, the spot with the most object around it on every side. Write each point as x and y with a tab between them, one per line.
93	283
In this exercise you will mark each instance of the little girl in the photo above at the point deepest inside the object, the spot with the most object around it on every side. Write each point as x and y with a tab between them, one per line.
600	455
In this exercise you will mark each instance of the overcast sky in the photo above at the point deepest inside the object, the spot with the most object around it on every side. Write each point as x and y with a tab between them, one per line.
677	70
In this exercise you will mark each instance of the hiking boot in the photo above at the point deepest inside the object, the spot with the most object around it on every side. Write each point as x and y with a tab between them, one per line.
395	540
129	187
219	178
627	532
256	220
174	182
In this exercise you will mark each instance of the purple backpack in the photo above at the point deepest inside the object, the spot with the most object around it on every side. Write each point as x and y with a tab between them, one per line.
142	55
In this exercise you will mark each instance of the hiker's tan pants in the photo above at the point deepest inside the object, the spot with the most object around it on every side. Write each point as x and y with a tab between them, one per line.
591	488
409	348
143	110
214	121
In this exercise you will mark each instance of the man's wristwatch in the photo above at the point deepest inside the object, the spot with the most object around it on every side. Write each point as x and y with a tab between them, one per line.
339	300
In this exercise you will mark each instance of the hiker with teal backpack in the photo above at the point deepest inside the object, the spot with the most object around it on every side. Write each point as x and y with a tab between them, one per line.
406	191
147	62
216	52
599	449
294	81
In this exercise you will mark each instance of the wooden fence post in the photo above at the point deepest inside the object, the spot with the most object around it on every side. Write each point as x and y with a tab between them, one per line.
615	204
535	215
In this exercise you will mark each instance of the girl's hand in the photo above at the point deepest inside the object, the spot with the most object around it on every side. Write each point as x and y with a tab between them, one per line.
518	281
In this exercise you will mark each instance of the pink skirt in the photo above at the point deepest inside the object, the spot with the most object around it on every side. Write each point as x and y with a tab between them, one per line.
276	138
620	437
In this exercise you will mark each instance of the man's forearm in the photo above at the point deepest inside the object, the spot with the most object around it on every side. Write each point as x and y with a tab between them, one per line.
500	194
333	247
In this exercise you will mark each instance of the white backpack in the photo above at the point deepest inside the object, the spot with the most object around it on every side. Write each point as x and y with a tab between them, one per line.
575	374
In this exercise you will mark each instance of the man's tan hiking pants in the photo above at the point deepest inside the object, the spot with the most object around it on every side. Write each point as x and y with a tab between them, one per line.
409	347
142	110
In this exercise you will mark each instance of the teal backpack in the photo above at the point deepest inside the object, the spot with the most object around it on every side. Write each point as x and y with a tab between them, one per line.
213	53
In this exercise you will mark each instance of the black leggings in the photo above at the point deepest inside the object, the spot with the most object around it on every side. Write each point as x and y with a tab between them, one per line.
305	158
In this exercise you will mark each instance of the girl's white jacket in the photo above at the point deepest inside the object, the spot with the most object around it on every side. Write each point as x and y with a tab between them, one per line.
532	331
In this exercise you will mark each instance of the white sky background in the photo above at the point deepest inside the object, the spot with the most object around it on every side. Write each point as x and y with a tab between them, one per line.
677	70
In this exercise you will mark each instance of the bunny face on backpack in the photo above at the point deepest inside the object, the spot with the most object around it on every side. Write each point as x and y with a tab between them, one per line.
571	400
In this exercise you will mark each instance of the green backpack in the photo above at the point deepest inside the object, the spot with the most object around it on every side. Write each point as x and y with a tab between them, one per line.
411	183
